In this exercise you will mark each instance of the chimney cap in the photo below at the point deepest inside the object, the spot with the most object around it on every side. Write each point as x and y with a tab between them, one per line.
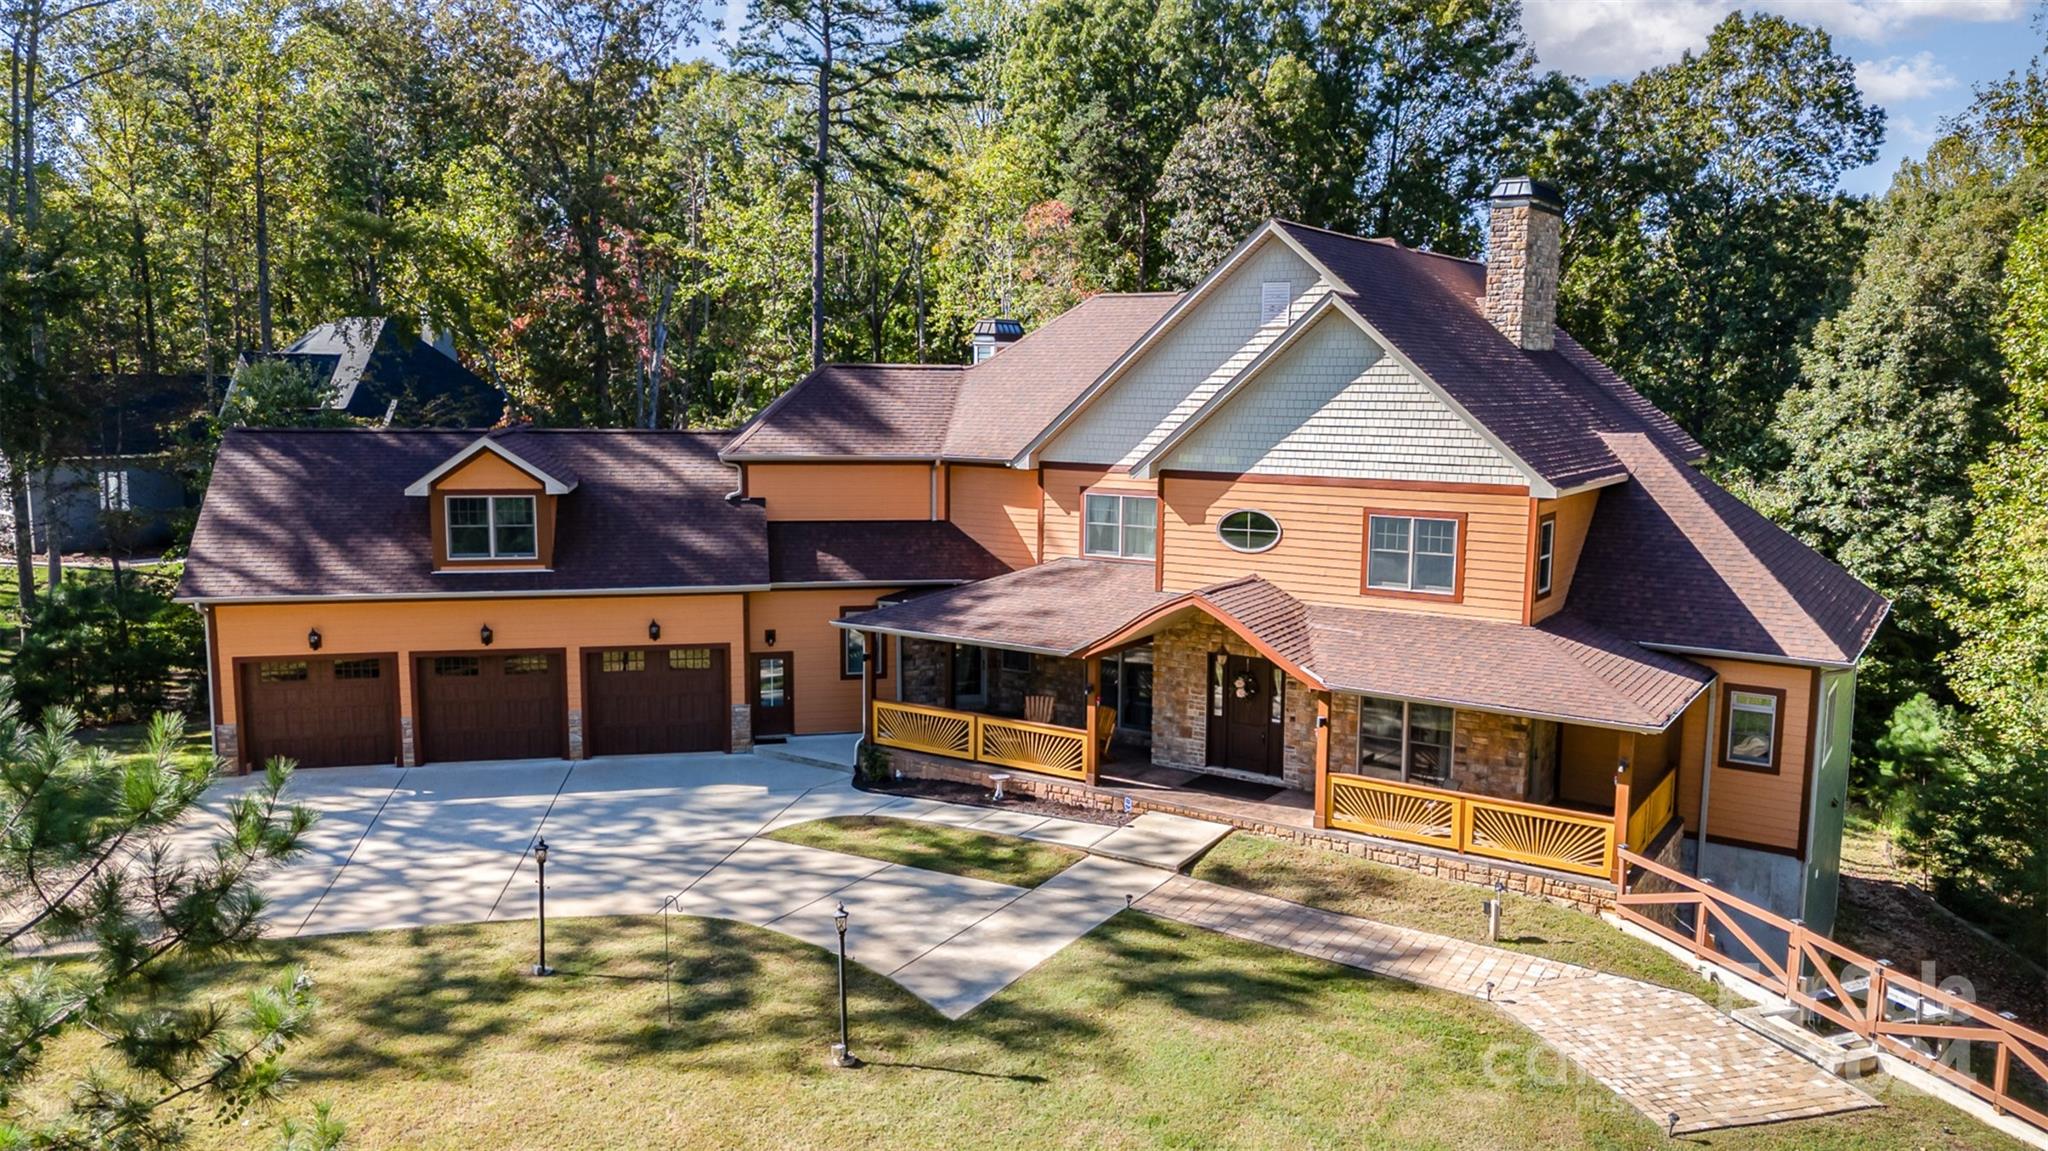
1514	191
1001	327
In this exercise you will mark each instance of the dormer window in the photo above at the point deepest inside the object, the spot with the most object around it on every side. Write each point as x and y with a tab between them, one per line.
491	528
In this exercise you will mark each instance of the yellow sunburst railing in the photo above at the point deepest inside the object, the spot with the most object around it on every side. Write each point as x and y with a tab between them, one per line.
1545	836
1041	747
1395	811
914	727
1498	828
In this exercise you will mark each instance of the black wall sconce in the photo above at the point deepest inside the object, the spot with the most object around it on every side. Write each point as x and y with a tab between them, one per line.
313	638
485	635
769	637
654	629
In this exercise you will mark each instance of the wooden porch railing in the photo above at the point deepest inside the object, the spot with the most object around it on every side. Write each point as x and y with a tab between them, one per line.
1045	748
1530	833
1653	811
1930	1027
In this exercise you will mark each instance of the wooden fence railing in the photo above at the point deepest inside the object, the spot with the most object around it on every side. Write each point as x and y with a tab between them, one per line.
1573	841
1972	1046
1653	811
1067	752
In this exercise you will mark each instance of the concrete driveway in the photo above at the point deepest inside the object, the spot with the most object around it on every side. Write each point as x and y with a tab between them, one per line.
452	844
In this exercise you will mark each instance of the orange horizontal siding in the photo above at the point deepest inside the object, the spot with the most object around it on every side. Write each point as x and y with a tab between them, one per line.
487	472
802	622
1321	553
251	631
998	507
843	491
1750	806
1574	516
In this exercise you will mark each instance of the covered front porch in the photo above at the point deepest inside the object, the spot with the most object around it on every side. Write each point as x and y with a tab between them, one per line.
1240	703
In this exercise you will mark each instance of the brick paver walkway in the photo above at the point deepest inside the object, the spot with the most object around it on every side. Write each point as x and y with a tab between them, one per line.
1663	1051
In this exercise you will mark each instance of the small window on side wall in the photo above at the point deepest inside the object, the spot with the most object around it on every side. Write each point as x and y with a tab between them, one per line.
1246	530
1751	719
1546	551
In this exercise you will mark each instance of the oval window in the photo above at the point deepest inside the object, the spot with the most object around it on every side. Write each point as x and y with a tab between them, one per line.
1249	531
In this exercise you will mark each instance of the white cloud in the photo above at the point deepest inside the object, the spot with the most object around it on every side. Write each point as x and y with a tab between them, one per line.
1899	78
1610	38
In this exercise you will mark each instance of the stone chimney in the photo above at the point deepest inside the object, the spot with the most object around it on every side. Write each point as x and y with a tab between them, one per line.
1522	249
993	335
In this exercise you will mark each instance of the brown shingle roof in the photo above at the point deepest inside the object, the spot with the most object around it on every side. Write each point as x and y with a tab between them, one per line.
876	552
1057	608
926	411
324	513
1673	559
1549	408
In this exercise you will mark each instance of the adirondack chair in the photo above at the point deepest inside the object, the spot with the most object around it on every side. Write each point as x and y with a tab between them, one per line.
1038	708
1105	730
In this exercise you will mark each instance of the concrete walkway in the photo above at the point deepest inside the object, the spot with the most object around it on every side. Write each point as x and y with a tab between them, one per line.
1665	1052
453	844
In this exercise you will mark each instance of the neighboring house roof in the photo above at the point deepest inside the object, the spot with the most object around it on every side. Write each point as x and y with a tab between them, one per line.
876	552
1674	560
983	412
139	415
374	362
323	513
1056	608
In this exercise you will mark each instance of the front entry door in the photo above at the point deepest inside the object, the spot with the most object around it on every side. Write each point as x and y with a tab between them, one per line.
1250	736
774	702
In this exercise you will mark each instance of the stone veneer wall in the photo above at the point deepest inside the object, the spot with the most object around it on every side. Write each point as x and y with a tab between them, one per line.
1588	895
1180	703
1066	680
742	727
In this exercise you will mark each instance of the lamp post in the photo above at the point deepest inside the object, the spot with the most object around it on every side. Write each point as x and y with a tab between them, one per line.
540	860
842	1053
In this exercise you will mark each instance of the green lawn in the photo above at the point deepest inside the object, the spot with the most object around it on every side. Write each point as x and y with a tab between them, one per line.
125	740
936	847
1354	886
1143	1035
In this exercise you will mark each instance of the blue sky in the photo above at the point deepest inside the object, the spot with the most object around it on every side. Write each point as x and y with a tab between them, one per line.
1918	59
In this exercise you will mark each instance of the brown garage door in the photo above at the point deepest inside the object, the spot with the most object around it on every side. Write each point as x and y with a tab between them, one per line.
339	712
511	705
656	699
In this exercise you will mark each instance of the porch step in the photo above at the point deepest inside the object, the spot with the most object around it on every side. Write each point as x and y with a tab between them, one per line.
1157	839
1780	1025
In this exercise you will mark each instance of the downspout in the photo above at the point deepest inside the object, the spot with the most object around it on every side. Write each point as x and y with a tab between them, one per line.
1699	855
212	673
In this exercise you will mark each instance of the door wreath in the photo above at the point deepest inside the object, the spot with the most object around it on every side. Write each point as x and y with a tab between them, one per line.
1244	687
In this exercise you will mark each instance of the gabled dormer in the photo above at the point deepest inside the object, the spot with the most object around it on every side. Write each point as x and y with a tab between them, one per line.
492	505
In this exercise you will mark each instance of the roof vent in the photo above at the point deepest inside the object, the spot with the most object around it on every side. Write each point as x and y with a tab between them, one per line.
993	335
1523	245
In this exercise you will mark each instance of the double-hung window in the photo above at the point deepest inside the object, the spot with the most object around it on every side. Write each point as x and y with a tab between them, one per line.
1411	554
1126	527
491	528
1412	740
1546	553
1751	719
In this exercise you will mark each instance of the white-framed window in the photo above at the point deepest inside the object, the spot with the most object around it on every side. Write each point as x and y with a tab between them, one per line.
1248	530
1120	526
1411	739
492	528
1752	717
1273	298
114	490
1546	551
1411	553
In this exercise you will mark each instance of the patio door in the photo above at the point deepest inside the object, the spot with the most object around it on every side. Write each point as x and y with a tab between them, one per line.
1247	704
774	703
